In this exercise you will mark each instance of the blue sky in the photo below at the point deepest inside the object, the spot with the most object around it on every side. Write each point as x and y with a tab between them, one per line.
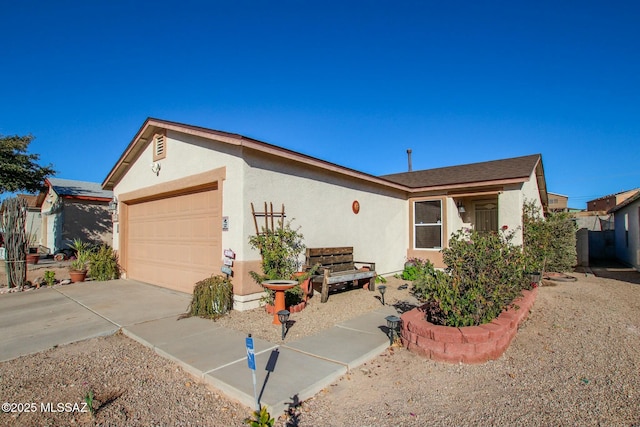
355	83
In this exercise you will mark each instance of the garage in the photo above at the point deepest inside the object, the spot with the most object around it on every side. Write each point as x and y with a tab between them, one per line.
174	240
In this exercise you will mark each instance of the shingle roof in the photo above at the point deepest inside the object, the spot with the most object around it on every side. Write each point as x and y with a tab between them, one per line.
514	168
69	187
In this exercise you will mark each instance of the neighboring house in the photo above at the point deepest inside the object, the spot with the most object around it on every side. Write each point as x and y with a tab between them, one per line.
176	185
558	203
33	223
627	230
610	201
75	210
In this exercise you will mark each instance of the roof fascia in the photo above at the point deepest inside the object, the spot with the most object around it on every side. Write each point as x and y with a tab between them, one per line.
90	198
137	144
469	185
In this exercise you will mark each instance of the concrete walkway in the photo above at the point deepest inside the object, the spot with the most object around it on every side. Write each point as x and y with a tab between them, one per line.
34	321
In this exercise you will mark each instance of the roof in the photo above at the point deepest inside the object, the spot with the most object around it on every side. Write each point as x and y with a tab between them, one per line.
613	195
33	200
517	168
151	126
79	189
454	178
626	202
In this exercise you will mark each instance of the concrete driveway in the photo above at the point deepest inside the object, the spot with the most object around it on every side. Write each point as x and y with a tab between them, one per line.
37	320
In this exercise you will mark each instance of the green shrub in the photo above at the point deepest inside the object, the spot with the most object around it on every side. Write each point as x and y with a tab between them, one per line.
103	264
549	244
411	268
212	297
50	277
484	274
261	418
279	249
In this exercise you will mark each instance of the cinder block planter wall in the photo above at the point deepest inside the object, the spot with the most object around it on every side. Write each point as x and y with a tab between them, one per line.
468	344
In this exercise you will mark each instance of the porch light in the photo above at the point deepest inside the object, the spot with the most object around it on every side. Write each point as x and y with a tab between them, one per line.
283	316
113	204
461	208
393	324
382	289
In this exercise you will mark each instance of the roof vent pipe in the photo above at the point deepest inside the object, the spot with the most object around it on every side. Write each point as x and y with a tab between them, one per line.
409	159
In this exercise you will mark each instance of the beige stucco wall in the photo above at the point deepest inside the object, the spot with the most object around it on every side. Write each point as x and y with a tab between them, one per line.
320	202
510	202
188	156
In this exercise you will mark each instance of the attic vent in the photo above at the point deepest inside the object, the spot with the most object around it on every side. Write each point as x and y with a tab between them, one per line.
159	147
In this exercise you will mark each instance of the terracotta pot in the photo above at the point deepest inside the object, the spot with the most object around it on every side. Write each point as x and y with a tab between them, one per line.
307	289
33	258
77	275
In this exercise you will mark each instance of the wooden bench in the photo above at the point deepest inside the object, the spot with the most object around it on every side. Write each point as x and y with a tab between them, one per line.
336	269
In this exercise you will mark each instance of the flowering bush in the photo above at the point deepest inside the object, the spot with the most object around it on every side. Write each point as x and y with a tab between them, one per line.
484	274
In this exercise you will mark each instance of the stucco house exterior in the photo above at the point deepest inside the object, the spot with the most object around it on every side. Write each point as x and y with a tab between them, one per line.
75	210
627	230
184	197
33	223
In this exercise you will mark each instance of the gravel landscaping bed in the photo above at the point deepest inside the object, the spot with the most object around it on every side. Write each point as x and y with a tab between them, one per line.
575	361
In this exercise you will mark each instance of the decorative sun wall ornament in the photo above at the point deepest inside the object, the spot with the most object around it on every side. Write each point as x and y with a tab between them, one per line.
355	206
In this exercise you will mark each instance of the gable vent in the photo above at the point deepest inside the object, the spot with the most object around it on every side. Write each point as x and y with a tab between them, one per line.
159	147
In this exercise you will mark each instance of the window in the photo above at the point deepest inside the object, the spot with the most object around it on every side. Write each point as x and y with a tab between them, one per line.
159	147
427	219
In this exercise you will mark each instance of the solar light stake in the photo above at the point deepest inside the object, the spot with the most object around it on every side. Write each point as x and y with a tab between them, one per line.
393	322
382	289
283	316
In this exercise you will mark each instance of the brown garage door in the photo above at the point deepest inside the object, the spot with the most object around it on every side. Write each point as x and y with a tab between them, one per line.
174	241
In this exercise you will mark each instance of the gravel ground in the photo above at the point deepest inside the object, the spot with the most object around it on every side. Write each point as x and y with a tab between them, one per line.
575	361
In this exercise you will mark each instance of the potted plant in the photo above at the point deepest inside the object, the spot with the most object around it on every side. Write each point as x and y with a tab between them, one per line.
78	267
280	249
32	248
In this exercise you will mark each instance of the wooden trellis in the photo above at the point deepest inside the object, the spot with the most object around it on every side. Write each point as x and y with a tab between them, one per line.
268	215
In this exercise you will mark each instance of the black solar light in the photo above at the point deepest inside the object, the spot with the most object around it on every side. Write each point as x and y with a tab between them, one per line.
393	324
283	316
382	289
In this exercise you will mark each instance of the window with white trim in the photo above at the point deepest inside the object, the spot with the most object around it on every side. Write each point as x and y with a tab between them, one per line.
427	220
159	147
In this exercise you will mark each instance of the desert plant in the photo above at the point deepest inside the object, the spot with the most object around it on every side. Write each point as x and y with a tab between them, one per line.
261	418
50	277
89	400
103	264
212	297
12	221
484	274
83	255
